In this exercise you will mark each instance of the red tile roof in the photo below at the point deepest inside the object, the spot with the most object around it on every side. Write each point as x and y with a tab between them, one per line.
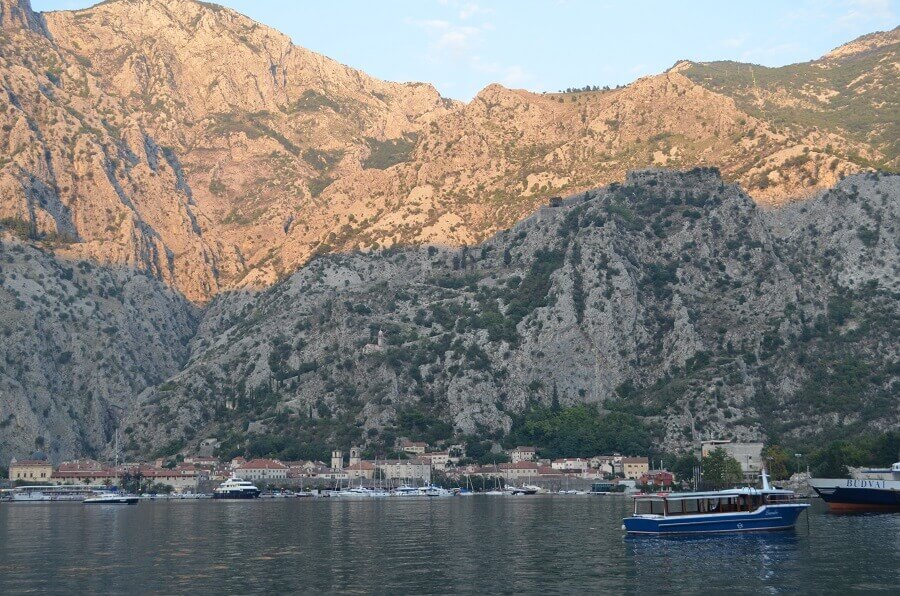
262	464
80	465
363	465
521	465
64	474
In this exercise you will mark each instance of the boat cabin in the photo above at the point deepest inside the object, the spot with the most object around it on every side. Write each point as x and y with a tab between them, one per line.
735	501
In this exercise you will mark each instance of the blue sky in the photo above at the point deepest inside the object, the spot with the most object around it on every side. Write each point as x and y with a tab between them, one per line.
461	46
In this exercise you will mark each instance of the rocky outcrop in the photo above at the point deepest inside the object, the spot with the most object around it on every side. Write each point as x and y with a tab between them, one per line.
17	15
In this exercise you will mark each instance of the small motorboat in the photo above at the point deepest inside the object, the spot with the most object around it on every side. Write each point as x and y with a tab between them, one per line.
111	498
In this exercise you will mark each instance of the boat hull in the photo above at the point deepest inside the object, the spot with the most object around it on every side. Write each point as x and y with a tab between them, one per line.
855	495
764	519
112	501
241	495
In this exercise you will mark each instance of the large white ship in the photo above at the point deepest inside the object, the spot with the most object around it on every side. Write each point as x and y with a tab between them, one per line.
870	490
235	488
44	494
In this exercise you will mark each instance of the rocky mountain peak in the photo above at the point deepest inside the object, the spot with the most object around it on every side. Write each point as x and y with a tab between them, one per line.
17	14
869	42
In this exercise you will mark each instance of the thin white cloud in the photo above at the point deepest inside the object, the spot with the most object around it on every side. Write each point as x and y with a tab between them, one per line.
516	76
861	12
734	42
456	38
448	36
470	9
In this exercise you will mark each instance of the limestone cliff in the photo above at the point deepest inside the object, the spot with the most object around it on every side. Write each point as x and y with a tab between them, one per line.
672	297
186	140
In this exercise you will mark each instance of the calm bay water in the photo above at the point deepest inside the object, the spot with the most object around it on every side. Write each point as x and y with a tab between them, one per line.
474	545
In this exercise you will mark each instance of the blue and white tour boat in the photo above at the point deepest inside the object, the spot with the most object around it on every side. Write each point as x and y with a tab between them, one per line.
742	509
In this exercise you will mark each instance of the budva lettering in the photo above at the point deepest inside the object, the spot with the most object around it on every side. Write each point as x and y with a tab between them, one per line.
852	483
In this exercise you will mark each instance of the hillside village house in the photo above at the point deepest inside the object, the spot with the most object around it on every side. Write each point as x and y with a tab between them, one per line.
439	459
519	470
202	461
182	479
361	469
749	455
30	470
657	478
263	470
574	464
634	467
83	471
522	454
413	447
330	474
303	469
606	464
408	469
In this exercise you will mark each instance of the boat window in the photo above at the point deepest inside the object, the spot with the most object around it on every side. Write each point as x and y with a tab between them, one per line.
691	505
647	506
676	506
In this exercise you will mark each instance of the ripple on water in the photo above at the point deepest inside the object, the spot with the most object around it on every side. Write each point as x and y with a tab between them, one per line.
474	545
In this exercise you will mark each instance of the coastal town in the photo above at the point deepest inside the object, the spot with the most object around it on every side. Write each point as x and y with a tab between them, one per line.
414	463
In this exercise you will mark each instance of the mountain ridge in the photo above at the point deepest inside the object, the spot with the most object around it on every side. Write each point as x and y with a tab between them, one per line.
279	154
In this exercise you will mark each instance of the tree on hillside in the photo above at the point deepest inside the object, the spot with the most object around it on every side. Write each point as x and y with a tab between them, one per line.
579	431
719	468
777	462
682	466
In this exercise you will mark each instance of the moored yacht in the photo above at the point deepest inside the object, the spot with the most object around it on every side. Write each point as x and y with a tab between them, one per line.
111	498
734	510
38	494
421	491
235	488
360	492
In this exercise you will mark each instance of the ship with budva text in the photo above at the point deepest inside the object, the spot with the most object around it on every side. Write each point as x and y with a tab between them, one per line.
867	490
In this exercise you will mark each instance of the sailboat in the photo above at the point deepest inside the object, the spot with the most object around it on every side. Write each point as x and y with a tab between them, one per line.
112	496
497	491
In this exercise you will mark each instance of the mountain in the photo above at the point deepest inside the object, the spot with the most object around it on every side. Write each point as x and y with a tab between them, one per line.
80	341
672	297
184	139
206	230
672	300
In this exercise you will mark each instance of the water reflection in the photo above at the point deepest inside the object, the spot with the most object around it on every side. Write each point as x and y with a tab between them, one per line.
471	545
751	561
